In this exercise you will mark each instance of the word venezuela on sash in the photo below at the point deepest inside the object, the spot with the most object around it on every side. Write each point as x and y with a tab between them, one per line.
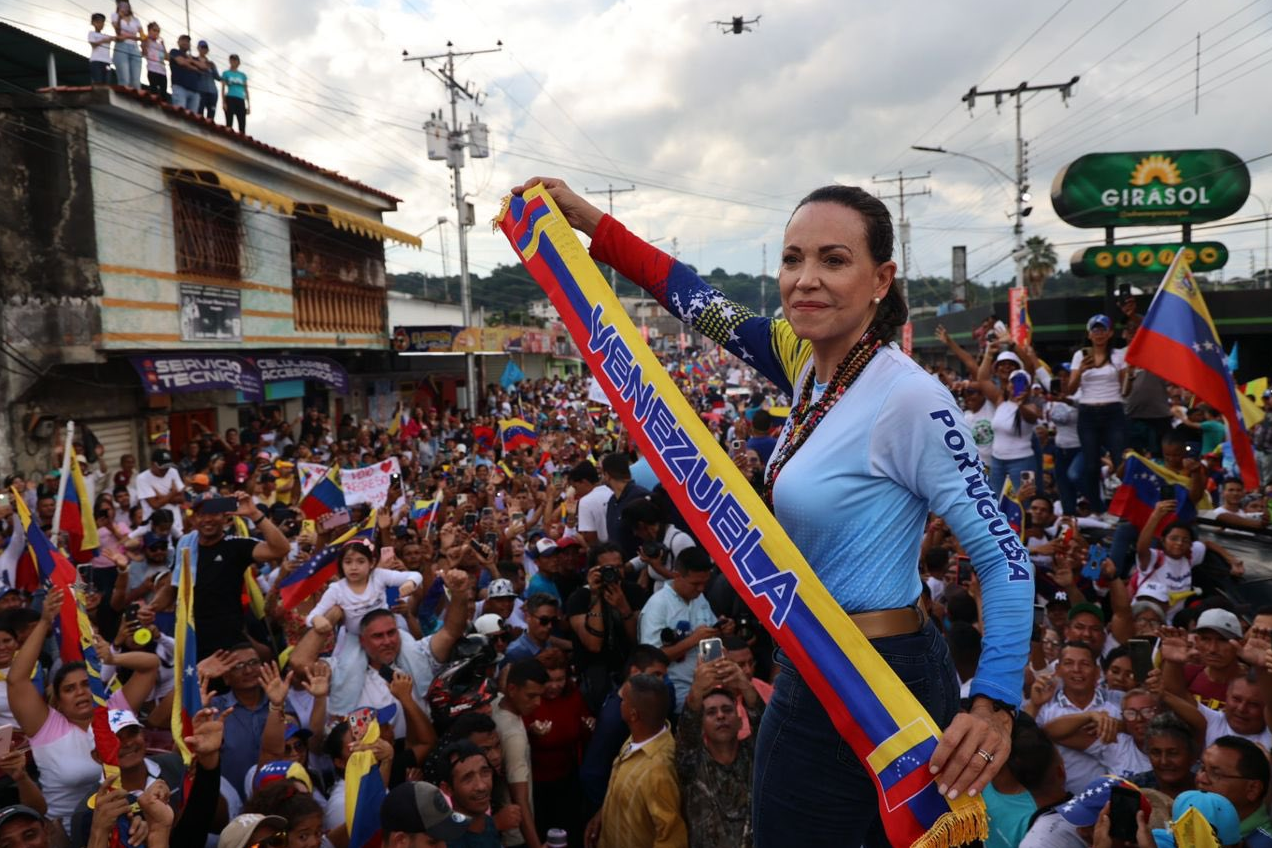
870	706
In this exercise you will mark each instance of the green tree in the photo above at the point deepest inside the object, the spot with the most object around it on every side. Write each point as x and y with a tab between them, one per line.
1039	265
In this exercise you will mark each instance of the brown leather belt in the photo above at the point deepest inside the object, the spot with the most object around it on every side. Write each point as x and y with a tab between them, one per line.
902	621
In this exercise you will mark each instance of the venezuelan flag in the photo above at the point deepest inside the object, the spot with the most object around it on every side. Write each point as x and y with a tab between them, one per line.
872	710
517	433
1179	342
1009	505
311	575
484	436
325	496
187	698
424	513
1141	489
76	631
77	517
364	794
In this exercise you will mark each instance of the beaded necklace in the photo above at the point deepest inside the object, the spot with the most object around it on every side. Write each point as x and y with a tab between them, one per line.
805	416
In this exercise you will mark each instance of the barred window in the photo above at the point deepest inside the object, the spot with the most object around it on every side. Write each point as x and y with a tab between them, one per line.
207	229
338	278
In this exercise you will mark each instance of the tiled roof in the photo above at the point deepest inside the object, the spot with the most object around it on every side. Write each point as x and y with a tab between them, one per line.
156	102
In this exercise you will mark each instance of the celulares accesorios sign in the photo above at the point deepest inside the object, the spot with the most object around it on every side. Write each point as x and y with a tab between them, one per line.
1150	188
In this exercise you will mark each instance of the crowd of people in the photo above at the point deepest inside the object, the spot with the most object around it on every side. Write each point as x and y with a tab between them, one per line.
197	83
549	657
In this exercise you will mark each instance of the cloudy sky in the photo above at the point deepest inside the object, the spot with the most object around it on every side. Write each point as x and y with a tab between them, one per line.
721	134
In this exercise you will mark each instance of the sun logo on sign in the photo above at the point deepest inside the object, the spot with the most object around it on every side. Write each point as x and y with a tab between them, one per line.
1156	167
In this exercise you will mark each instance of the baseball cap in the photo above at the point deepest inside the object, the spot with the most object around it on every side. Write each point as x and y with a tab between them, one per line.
1083	809
79	457
202	43
1099	320
501	588
294	730
1060	598
200	480
161	457
1078	609
569	542
461	448
489	624
1217	810
1221	621
1008	356
419	807
197	499
1153	592
154	540
18	811
281	770
240	829
121	719
240	472
544	547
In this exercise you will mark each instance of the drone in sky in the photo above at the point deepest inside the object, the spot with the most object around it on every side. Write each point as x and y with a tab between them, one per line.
737	25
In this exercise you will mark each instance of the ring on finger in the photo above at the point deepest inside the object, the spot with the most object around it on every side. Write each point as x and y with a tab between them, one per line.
985	755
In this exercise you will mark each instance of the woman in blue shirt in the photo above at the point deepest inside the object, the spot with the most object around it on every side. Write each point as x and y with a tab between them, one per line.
871	446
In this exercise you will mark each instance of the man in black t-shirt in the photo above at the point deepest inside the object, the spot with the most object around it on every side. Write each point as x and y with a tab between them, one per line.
219	569
617	474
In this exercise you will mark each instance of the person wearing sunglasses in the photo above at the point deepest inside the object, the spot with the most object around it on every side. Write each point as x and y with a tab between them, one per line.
304	828
542	616
253	830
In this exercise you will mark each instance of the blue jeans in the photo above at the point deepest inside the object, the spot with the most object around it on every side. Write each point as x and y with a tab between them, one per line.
810	790
1101	430
127	64
1064	482
1001	469
186	98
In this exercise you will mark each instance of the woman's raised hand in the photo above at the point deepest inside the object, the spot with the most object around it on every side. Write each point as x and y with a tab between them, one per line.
579	214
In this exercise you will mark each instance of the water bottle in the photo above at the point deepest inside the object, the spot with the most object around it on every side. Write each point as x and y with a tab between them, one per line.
556	838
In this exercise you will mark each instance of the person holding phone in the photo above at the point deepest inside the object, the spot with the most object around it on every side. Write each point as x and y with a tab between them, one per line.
1096	370
872	438
1015	413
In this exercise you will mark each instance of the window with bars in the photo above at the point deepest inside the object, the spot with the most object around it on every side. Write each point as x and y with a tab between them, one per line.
338	279
207	229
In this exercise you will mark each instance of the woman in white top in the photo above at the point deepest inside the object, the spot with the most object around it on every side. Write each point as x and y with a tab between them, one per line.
1097	371
1013	421
128	47
59	729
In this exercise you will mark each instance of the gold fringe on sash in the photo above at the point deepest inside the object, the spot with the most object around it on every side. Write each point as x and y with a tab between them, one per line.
966	822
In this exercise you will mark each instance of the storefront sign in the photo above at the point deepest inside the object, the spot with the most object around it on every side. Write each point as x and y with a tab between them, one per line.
1146	258
442	339
211	314
1150	188
276	369
167	374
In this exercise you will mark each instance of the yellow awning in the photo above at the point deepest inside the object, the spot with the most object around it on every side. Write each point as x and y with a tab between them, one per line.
359	224
237	188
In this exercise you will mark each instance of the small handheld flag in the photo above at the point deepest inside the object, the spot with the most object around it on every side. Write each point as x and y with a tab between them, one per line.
517	433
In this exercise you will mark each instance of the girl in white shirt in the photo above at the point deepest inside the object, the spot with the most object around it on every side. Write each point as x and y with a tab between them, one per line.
1097	371
360	589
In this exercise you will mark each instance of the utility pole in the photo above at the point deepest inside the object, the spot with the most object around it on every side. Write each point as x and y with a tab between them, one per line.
448	142
1022	172
763	275
611	191
904	227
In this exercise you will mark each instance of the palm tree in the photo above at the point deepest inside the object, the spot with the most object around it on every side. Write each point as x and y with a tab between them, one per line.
1040	263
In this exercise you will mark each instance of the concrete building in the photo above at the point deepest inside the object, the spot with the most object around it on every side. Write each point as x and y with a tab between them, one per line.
133	229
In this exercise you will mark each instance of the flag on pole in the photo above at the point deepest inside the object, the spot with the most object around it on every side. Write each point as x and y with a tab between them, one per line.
512	375
1178	341
424	512
1143	482
324	496
517	433
484	436
77	517
187	697
311	575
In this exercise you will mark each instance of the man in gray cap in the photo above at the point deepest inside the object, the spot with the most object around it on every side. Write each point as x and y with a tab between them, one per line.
160	487
22	827
417	815
252	829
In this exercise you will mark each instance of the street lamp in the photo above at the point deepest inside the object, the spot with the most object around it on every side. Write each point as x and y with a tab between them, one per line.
1022	197
1267	268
